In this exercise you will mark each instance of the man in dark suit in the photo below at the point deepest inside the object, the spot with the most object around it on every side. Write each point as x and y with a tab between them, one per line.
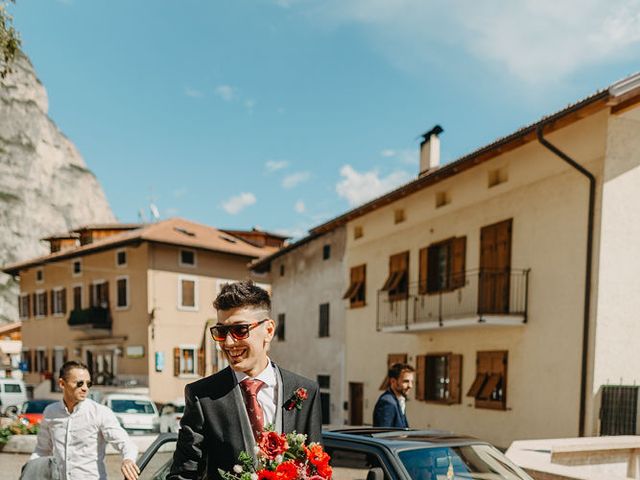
390	409
225	412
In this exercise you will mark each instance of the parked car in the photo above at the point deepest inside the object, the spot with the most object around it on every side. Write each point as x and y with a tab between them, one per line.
383	454
31	411
136	413
13	393
170	415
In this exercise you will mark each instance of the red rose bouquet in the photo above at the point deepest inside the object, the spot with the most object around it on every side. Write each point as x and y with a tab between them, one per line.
282	457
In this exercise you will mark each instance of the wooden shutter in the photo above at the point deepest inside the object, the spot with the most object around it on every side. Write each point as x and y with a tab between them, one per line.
32	361
105	293
65	355
29	309
392	359
422	271
421	374
457	251
64	300
455	378
52	299
176	362
477	385
202	366
46	303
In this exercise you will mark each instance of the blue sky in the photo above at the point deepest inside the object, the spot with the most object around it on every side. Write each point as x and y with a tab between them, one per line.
284	113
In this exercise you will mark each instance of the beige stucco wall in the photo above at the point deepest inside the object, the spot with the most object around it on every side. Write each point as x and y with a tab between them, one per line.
615	352
548	204
308	282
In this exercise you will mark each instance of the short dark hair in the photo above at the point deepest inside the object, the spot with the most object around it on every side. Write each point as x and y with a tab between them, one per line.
398	369
70	365
242	294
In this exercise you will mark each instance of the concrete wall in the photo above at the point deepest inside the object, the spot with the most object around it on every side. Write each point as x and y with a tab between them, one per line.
308	282
548	204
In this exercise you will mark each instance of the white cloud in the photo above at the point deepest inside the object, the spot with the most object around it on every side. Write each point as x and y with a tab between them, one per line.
357	188
226	92
388	152
295	179
275	165
299	206
535	41
249	104
193	93
238	203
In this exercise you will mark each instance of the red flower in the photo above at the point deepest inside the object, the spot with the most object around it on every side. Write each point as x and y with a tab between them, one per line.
287	471
301	393
266	475
319	459
272	444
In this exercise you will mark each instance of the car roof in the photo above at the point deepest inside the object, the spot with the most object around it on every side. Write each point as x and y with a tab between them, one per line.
126	396
400	438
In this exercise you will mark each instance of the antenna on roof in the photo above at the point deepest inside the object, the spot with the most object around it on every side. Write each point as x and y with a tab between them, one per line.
155	214
141	217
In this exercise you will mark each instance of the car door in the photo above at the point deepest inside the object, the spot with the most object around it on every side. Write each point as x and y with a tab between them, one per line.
354	461
13	393
155	462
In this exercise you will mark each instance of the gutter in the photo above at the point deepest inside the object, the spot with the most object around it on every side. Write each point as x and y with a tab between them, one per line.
588	271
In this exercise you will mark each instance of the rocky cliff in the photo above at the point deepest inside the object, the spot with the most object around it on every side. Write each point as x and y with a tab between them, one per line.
45	186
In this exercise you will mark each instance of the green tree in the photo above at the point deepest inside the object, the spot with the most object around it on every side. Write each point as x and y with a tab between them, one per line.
9	39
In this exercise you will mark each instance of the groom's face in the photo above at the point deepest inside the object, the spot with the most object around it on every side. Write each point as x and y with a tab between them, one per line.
248	355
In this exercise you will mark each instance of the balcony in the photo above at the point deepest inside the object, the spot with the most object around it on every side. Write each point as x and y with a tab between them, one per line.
484	297
93	318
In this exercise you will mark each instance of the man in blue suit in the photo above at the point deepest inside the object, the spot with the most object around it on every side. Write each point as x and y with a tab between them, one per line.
390	410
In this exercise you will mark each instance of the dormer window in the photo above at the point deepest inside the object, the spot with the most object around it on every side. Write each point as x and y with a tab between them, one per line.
187	258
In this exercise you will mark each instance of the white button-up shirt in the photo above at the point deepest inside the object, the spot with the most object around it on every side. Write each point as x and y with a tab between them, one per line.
78	440
268	394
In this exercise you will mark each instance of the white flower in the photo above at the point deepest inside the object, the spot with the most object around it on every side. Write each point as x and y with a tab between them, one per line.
279	458
254	476
301	437
256	449
237	468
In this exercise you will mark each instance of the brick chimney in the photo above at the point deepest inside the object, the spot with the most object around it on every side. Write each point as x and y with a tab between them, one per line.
430	150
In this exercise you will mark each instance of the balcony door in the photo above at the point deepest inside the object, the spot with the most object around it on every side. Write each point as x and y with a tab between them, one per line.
495	268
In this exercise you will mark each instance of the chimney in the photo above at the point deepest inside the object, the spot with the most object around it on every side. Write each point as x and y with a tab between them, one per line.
430	150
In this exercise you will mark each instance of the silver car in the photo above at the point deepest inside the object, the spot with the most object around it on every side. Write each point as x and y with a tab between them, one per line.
136	413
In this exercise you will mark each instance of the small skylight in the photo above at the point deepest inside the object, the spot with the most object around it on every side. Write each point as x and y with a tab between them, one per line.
228	239
184	231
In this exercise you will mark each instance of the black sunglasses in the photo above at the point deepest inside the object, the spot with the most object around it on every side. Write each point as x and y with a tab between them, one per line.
239	331
80	383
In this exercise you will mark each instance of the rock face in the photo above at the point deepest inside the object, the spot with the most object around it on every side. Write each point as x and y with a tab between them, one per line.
45	186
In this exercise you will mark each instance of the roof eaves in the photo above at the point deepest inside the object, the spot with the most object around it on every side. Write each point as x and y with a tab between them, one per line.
262	265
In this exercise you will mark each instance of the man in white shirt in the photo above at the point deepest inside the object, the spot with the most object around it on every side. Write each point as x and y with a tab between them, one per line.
75	431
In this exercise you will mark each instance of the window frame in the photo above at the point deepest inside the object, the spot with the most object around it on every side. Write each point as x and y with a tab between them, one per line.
62	310
127	304
94	301
41	272
196	296
455	275
326	331
126	258
453	386
357	286
326	251
73	295
397	282
75	274
36	310
21	308
187	265
194	349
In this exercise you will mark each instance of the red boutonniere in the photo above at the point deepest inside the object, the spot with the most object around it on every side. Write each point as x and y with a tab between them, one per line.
299	396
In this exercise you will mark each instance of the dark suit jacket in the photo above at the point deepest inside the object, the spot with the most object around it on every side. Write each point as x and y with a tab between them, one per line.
387	412
215	429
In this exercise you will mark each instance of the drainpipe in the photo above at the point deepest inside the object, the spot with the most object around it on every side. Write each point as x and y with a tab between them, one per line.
587	285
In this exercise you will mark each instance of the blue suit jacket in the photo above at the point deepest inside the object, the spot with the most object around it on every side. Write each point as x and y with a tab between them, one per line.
387	412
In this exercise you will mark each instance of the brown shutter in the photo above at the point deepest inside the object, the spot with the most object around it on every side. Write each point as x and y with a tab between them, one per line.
105	299
392	359
65	355
64	300
46	303
455	378
29	310
35	304
477	385
32	361
421	373
458	253
176	362
202	367
422	272
52	300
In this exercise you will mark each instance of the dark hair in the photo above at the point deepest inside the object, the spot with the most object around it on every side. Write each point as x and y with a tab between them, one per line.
242	294
70	365
398	369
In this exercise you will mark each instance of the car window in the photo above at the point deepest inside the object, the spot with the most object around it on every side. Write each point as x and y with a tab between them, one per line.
466	462
12	388
35	406
132	406
350	464
180	409
157	467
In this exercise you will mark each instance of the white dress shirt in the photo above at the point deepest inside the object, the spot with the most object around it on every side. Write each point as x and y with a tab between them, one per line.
268	394
78	440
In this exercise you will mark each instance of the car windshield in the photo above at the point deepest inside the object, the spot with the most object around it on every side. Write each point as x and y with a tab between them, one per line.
36	406
480	461
132	406
180	409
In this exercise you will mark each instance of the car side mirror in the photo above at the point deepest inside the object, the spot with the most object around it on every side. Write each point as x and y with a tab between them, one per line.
375	473
12	411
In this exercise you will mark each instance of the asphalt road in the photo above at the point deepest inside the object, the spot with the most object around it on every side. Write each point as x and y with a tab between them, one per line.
11	463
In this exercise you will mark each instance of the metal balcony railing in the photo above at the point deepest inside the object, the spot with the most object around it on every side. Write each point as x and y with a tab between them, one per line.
479	295
93	318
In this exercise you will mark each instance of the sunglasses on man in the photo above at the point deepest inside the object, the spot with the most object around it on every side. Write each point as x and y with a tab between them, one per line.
239	331
81	383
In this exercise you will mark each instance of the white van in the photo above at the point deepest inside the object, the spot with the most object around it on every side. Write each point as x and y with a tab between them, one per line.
12	392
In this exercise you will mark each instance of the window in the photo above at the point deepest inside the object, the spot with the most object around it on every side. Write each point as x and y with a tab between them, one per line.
187	293
438	378
282	270
280	329
24	306
442	266
397	283
39	275
442	199
356	293
26	358
184	360
497	176
77	297
349	464
12	388
490	385
358	232
325	407
41	361
76	268
187	258
122	290
323	328
399	216
99	294
324	381
326	252
40	304
59	301
121	258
